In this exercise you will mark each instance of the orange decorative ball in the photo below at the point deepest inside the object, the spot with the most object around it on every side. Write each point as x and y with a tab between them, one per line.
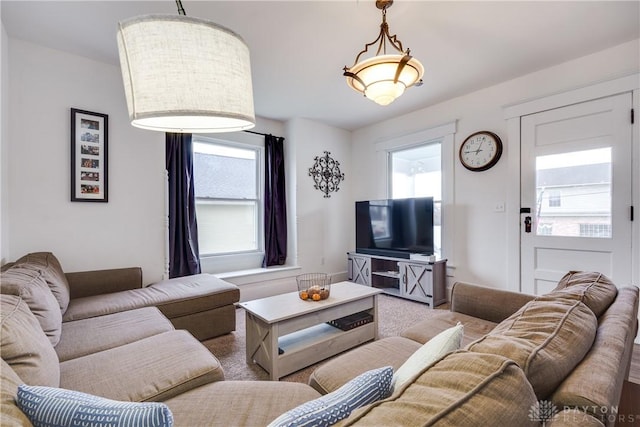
316	297
304	295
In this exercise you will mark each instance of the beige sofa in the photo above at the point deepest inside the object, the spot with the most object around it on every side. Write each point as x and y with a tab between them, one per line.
202	304
567	352
100	333
559	358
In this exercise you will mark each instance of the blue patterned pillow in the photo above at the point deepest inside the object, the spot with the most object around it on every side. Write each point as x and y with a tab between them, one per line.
49	407
327	410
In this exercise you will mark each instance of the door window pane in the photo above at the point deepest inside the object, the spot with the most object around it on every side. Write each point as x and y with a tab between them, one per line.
574	194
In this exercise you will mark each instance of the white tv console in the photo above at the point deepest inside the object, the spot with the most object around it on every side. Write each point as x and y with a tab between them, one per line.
406	278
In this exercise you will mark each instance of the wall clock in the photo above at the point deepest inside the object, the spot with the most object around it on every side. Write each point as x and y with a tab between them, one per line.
480	151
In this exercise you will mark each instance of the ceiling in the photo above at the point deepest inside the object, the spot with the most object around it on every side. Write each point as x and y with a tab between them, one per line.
298	48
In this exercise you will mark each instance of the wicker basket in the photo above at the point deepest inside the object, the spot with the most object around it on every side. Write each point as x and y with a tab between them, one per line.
314	286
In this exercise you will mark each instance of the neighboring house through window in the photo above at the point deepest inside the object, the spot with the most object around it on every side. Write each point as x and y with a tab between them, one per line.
229	207
574	193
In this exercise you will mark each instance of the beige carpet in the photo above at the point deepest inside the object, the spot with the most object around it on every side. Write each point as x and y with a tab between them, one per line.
394	315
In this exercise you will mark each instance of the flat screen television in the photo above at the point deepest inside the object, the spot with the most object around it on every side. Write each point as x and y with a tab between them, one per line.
395	227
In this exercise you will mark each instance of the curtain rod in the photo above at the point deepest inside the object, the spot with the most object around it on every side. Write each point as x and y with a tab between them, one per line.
259	133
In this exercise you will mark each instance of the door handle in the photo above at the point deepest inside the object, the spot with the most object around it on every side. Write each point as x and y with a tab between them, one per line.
527	224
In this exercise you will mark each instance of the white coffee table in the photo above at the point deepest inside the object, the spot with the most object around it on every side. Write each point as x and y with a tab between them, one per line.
298	327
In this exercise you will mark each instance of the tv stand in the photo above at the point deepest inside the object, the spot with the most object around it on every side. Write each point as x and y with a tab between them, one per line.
417	280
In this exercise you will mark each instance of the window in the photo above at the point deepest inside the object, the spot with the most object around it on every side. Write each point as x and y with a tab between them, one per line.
545	229
555	201
417	172
574	193
228	191
595	230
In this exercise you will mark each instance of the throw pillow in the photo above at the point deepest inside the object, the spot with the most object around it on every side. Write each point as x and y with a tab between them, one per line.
24	346
463	389
433	350
547	338
47	406
329	409
31	286
9	382
49	266
594	289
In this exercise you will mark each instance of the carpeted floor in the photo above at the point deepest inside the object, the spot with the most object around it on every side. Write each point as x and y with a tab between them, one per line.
394	315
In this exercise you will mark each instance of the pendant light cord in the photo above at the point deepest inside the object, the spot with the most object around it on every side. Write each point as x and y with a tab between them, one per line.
180	8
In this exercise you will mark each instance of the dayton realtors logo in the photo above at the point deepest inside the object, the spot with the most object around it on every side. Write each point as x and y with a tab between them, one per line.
542	411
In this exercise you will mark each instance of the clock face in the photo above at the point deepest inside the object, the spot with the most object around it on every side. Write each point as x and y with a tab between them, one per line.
480	151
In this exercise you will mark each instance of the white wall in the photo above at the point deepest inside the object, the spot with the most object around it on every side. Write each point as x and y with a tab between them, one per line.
480	235
126	231
323	223
320	227
130	229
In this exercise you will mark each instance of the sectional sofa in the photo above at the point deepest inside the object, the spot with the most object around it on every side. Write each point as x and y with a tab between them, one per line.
560	359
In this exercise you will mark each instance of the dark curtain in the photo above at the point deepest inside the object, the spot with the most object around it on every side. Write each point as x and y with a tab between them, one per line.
184	256
275	204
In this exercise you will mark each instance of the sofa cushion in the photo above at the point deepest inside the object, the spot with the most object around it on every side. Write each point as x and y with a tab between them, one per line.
174	297
24	346
326	410
462	389
547	338
86	336
336	372
11	415
592	288
442	344
51	270
439	320
151	369
32	287
238	403
47	406
595	385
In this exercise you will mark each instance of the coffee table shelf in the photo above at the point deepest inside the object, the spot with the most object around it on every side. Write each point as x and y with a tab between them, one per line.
299	327
311	345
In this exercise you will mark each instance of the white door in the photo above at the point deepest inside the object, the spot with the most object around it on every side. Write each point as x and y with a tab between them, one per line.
576	186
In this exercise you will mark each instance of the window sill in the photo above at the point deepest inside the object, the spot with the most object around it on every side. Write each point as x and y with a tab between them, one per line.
242	277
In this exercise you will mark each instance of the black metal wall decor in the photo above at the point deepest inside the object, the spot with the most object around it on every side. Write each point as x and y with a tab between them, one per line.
326	174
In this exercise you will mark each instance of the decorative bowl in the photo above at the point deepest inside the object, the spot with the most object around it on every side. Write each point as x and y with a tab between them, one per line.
314	286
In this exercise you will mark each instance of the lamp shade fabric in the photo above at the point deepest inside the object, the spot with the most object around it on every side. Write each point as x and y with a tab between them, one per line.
184	74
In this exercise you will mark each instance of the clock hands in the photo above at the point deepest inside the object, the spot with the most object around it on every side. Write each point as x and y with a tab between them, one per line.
477	150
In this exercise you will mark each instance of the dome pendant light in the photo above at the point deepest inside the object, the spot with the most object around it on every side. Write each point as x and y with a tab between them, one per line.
184	74
383	78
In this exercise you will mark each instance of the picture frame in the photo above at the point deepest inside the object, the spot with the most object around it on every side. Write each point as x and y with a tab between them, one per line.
89	156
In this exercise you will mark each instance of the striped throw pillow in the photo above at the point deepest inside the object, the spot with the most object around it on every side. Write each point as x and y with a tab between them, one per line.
49	406
366	388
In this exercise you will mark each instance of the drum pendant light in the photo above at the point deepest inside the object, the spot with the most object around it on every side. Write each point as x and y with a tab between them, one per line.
184	74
